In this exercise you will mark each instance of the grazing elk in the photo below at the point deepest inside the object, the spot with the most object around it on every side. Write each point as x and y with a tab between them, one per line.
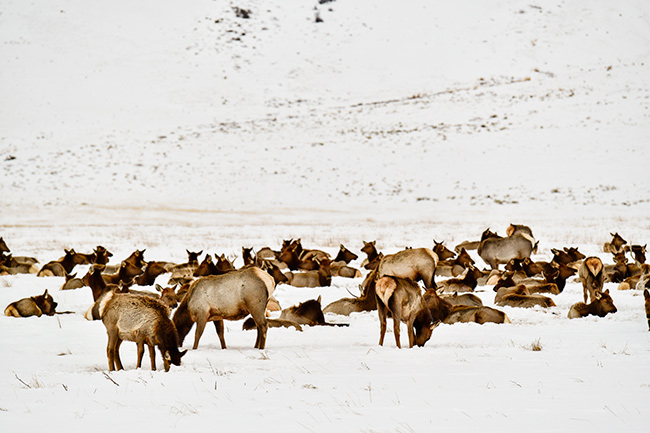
63	266
592	277
403	299
32	306
601	305
143	320
494	250
616	245
230	296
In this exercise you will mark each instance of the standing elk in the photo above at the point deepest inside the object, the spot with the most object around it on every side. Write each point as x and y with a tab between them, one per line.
143	320
230	296
416	264
403	299
592	277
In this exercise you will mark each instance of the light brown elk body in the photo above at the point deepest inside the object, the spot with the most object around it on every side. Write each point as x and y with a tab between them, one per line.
525	301
403	299
230	296
415	264
143	320
592	277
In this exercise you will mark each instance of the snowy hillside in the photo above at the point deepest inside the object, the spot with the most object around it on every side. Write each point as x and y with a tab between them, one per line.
220	124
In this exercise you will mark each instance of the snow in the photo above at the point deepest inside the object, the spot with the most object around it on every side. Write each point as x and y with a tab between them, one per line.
172	126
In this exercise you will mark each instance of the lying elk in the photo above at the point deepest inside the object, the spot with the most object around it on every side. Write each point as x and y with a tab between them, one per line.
230	296
467	283
315	278
32	306
525	301
63	266
601	305
365	302
494	251
345	255
616	245
370	249
308	313
403	299
143	320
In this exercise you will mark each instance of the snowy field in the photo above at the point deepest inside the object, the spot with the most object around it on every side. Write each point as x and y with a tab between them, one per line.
169	126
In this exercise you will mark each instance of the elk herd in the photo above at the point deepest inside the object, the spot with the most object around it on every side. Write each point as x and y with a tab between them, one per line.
420	287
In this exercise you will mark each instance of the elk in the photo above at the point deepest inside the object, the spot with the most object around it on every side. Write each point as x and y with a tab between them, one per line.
365	302
126	273
616	245
480	315
345	255
371	252
32	306
468	299
151	271
72	282
63	266
638	252
501	250
455	267
416	264
601	305
442	251
592	277
318	278
230	296
143	320
465	284
525	301
403	299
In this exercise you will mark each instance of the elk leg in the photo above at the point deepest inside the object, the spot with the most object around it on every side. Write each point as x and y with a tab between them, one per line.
258	312
152	355
218	325
381	310
140	345
110	351
200	327
411	332
118	361
396	324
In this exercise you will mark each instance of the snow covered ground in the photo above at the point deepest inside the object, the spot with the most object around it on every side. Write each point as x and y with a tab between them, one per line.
168	126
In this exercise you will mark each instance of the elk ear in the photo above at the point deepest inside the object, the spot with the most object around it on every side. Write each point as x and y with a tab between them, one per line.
45	292
434	325
183	353
607	292
159	287
167	356
597	295
319	299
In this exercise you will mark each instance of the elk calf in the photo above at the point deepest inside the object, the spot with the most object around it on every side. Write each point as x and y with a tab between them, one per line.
600	306
592	276
33	306
143	320
403	299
